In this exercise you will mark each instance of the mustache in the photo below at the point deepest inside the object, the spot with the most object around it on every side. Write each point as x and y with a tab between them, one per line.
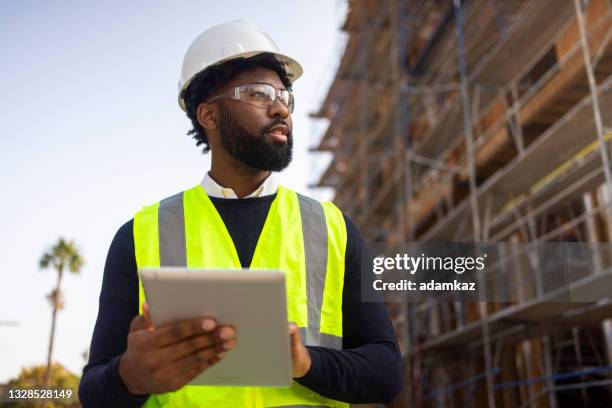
276	122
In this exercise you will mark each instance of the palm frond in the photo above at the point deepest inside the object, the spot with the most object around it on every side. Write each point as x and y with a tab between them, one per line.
63	255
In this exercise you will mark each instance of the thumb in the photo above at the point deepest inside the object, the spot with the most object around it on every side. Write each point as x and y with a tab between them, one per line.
147	313
139	323
143	321
294	333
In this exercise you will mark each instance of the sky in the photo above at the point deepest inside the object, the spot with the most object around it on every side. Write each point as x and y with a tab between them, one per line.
90	131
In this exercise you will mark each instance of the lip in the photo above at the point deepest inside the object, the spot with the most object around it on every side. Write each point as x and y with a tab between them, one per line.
279	133
280	129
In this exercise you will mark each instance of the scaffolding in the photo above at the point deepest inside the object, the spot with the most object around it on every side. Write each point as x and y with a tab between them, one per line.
483	121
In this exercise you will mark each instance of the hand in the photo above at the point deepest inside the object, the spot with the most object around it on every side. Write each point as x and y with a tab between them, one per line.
300	357
168	357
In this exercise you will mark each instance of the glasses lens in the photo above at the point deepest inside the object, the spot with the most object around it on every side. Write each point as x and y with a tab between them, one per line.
286	98
259	94
264	95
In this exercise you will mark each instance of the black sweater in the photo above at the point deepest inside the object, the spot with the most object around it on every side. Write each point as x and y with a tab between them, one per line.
368	369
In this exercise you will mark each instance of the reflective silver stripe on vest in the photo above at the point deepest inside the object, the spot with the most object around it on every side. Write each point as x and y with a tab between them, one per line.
171	225
314	228
320	339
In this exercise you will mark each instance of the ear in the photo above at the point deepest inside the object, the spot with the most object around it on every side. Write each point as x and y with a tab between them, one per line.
207	116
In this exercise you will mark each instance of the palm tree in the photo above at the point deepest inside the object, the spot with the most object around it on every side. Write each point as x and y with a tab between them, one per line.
63	256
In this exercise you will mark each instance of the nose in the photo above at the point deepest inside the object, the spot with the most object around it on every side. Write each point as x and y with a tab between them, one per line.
278	109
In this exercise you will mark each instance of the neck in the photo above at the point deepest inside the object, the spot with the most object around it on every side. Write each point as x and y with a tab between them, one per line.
236	175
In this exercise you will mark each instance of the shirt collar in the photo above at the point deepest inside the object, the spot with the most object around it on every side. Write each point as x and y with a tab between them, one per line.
213	189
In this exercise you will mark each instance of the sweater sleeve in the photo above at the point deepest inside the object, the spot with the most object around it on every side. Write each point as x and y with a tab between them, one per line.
369	368
101	385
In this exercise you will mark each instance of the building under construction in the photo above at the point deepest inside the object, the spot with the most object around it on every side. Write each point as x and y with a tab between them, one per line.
483	121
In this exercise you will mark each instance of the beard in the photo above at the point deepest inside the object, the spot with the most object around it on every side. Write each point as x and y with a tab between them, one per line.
256	151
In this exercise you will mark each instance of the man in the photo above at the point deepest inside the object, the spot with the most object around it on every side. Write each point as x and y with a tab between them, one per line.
236	90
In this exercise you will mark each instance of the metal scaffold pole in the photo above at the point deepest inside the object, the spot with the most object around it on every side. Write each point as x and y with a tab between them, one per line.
469	141
401	117
604	152
364	182
467	120
593	89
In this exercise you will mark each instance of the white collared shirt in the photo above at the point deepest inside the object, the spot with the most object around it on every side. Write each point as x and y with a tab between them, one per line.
213	189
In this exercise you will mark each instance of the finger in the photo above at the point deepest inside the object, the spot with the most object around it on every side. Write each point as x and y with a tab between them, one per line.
198	360
228	345
223	339
188	373
147	314
183	348
294	341
295	338
175	332
294	332
225	333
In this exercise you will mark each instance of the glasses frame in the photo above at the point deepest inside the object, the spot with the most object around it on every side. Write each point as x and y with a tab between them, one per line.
234	94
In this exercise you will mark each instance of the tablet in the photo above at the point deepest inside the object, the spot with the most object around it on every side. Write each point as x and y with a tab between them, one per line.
253	301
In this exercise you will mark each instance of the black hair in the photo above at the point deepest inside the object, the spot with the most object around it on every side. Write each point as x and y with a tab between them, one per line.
212	79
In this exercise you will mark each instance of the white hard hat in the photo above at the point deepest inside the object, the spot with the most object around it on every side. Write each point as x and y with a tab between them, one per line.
224	42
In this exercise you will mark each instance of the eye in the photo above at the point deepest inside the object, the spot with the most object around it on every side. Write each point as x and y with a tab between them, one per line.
257	94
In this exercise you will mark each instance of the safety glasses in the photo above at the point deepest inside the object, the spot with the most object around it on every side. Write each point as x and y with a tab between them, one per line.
261	95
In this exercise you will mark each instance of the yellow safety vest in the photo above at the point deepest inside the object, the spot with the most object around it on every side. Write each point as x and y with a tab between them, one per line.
302	237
